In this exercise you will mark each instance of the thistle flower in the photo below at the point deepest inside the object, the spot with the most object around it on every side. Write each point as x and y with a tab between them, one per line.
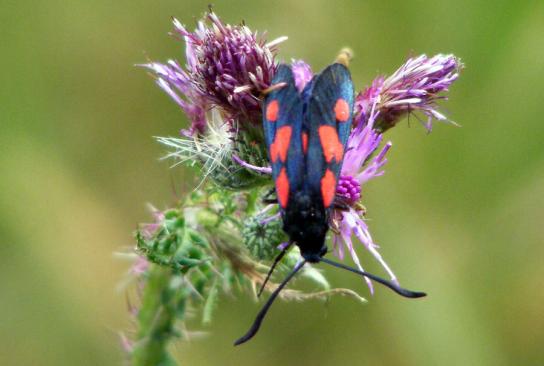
226	67
219	89
232	65
415	86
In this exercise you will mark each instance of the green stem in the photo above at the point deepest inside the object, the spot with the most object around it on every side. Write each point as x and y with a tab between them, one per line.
160	308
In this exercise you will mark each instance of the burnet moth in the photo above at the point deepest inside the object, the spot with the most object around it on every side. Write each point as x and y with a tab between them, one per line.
306	135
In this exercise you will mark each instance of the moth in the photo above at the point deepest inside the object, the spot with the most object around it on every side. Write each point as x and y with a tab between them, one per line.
306	134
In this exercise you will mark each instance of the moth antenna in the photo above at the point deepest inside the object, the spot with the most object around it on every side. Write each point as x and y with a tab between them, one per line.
271	270
399	290
259	318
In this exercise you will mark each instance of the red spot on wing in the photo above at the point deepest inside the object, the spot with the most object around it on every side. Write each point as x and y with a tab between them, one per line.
280	146
272	111
282	188
304	142
341	110
328	187
332	147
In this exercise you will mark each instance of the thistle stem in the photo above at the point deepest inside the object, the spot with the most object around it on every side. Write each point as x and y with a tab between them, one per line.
156	317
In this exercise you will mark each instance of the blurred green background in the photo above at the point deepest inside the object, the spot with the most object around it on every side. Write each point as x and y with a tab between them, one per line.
458	214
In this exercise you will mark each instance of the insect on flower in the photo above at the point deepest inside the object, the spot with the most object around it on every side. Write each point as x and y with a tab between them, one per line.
321	142
306	135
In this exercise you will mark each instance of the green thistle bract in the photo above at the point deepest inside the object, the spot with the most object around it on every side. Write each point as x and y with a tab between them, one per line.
258	236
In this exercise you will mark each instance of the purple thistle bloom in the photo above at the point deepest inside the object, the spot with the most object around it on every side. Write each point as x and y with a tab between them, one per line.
229	65
415	86
226	67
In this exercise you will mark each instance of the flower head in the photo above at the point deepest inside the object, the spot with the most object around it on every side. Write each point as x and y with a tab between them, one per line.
415	86
227	67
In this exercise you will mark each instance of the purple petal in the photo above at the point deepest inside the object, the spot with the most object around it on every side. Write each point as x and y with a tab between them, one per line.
302	74
263	170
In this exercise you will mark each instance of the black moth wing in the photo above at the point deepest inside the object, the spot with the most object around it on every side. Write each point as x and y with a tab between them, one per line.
282	121
331	97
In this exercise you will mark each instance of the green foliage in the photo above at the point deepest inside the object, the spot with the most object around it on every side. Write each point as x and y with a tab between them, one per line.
175	245
181	273
194	251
